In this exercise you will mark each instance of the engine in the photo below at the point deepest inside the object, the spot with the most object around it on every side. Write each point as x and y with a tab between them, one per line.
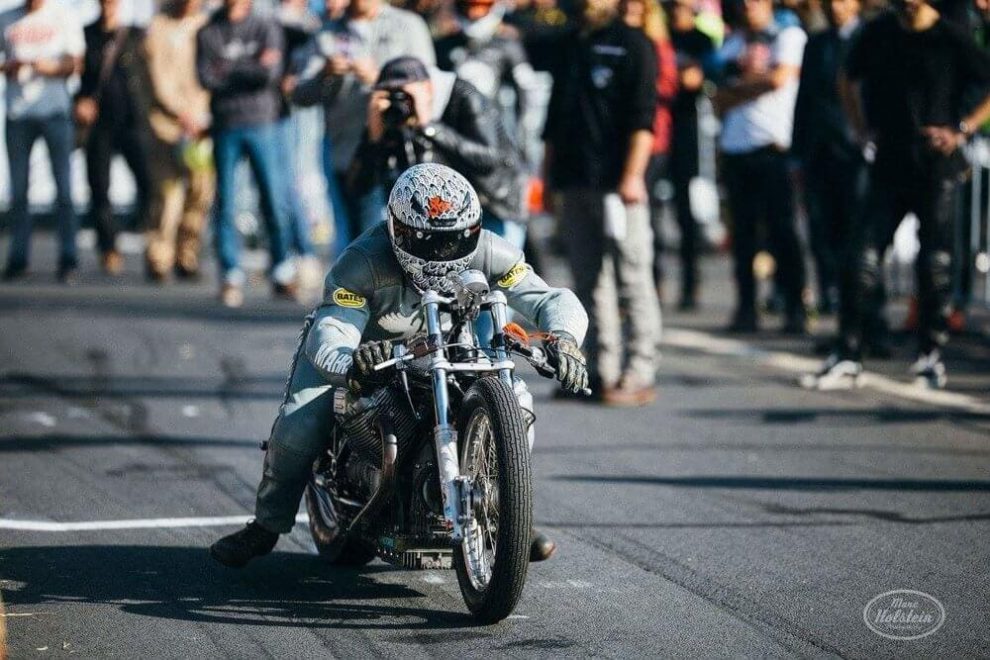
364	437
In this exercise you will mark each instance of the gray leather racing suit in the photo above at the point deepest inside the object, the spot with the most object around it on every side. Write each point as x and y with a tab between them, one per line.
367	296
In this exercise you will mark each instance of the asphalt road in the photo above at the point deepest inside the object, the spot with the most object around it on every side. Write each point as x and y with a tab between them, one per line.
738	516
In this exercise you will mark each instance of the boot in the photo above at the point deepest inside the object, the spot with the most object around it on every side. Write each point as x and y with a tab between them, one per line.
237	549
541	547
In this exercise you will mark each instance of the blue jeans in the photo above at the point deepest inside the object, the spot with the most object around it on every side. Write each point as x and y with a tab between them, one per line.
512	231
261	146
352	215
59	137
299	239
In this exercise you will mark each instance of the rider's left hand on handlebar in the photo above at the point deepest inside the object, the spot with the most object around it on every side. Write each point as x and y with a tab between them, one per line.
572	368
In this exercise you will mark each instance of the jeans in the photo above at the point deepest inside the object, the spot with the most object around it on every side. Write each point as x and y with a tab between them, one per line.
299	239
104	141
58	134
261	146
760	192
933	197
352	214
834	189
511	231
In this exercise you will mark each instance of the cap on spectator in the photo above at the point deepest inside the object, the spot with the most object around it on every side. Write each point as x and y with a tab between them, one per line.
400	71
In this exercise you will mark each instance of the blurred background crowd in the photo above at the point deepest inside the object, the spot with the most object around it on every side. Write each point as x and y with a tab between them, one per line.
786	132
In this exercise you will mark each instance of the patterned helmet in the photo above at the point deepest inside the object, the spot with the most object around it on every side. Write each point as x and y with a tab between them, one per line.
434	220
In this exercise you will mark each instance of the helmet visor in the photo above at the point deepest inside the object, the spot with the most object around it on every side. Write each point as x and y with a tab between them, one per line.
436	245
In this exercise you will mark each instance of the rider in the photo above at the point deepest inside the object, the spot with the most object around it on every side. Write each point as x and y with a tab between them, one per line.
371	297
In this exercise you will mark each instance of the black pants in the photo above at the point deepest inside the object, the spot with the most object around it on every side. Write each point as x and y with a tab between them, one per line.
680	179
760	193
104	141
930	195
835	185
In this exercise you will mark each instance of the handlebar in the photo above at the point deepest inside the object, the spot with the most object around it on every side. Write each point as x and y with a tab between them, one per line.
536	357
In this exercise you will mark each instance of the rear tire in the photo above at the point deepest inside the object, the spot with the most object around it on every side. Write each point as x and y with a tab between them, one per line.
508	494
326	535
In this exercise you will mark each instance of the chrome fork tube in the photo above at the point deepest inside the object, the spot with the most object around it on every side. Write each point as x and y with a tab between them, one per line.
499	319
444	434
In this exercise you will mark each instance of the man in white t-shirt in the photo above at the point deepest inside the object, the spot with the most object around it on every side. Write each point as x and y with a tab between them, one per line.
41	46
762	68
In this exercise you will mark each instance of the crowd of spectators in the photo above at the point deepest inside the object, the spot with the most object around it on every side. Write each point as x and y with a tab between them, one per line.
856	110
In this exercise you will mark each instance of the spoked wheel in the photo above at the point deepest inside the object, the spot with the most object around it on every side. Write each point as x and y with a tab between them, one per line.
493	559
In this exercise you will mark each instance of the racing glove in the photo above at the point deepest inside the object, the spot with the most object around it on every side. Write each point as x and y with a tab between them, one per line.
366	357
564	354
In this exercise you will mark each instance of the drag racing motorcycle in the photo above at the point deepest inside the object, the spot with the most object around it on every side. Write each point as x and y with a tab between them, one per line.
432	470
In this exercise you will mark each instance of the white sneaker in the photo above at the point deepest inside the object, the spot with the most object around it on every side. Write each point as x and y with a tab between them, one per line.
836	374
929	371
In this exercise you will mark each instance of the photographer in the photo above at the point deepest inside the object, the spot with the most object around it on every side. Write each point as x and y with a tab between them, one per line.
417	117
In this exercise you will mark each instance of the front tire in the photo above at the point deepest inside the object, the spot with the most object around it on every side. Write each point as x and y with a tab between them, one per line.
493	558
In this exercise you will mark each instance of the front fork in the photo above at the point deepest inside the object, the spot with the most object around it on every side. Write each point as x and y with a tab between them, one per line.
455	488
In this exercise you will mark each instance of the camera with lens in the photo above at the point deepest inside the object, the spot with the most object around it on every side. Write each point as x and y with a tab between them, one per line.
400	108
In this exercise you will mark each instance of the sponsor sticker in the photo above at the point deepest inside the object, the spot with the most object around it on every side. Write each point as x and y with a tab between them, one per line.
904	614
346	298
514	276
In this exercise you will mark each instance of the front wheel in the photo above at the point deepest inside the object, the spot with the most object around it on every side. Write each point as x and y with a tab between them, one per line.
493	559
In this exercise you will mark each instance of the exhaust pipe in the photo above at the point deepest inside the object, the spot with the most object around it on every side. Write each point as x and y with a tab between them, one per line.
390	454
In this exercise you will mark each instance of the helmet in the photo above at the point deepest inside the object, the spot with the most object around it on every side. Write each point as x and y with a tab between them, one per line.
434	221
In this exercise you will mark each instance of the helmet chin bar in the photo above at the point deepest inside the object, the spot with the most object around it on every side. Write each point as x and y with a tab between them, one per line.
431	275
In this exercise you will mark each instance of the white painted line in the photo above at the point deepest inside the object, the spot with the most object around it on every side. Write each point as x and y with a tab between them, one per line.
712	345
432	578
115	525
42	418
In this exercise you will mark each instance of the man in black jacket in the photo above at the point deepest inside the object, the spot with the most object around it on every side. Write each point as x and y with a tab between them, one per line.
112	105
905	83
415	117
598	142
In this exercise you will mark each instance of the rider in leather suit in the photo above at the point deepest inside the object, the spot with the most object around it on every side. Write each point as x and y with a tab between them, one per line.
371	295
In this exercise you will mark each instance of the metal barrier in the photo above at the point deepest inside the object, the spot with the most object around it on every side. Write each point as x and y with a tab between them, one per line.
973	228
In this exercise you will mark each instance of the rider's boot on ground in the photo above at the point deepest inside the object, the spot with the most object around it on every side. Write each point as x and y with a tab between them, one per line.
237	549
541	547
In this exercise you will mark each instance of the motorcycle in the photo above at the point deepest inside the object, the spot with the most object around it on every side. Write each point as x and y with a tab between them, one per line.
432	470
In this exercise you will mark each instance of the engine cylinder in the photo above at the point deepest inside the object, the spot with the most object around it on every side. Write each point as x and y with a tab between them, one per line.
361	428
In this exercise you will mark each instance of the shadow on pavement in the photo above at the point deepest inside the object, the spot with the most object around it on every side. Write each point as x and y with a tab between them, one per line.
772	447
147	303
55	441
874	514
182	583
871	416
246	388
793	483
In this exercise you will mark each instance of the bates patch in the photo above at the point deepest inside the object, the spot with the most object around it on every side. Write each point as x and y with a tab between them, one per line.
515	275
346	298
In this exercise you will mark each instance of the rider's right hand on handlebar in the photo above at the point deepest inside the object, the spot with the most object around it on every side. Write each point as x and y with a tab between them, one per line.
366	356
565	355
